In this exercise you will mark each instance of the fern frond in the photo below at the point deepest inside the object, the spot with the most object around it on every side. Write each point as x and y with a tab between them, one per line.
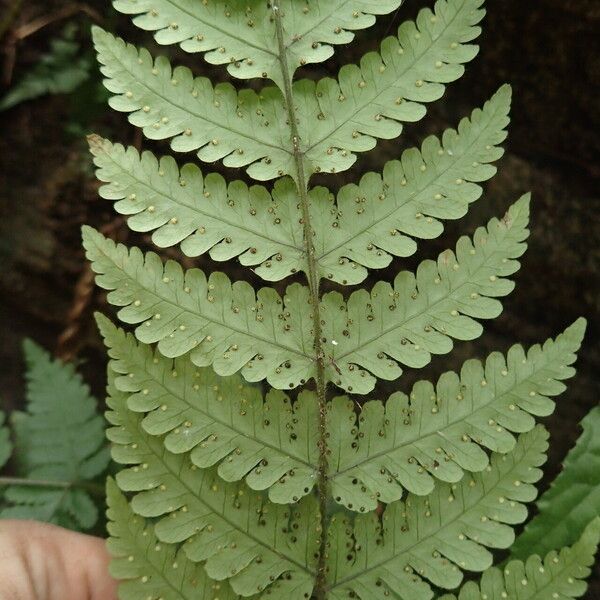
219	420
217	322
559	576
242	34
370	101
572	501
232	328
432	539
6	447
139	558
420	314
255	493
379	217
60	446
241	536
59	71
438	432
239	127
204	214
335	118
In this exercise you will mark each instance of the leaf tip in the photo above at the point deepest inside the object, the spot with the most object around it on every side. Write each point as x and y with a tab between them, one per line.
577	330
97	144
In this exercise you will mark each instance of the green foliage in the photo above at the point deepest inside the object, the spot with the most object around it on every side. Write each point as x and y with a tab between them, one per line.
5	443
335	117
59	446
263	230
559	575
186	312
222	421
138	555
435	537
253	491
237	532
439	431
572	501
61	71
242	35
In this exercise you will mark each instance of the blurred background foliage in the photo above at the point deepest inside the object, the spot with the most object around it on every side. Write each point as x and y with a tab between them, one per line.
51	97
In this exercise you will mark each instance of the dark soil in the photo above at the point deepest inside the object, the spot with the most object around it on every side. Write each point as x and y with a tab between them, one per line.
547	49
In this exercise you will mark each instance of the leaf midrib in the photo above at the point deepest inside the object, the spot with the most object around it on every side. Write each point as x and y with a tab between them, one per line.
266	50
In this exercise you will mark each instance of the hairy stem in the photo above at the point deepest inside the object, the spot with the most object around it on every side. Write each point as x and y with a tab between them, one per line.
313	284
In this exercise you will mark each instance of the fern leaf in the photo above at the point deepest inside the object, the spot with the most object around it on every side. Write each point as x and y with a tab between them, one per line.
560	575
380	216
372	100
219	323
572	501
60	446
273	444
228	221
438	432
5	443
241	536
416	317
60	71
240	128
335	119
148	568
204	215
231	328
430	540
242	34
219	420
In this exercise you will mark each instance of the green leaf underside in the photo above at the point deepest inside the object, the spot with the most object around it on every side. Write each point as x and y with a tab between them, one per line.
148	568
437	433
432	539
242	36
558	577
273	444
369	223
336	118
241	536
219	420
233	328
5	443
227	492
573	499
228	527
419	315
371	101
60	441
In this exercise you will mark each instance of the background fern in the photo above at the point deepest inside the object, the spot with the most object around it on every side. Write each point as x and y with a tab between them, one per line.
194	471
59	449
